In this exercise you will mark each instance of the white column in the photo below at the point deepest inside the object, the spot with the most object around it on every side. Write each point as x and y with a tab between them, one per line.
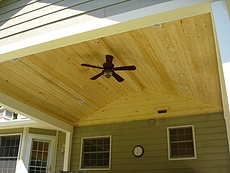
67	154
222	29
21	164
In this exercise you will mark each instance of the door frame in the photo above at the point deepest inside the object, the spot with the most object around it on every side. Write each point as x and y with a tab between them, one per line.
52	150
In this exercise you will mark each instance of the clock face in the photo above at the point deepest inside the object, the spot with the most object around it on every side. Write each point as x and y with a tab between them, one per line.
138	151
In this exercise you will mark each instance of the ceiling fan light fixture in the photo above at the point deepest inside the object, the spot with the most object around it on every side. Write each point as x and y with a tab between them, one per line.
108	73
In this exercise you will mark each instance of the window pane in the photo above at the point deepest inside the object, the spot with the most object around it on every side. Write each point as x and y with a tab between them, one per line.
46	147
9	146
35	145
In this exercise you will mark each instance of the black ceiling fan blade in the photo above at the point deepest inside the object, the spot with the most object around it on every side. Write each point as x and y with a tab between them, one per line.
92	66
132	67
117	77
109	59
97	76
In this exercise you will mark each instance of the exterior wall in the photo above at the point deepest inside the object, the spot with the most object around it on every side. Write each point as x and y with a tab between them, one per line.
42	131
11	131
211	145
31	131
25	18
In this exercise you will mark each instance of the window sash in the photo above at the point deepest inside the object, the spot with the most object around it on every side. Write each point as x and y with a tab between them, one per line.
181	142
9	148
9	156
95	153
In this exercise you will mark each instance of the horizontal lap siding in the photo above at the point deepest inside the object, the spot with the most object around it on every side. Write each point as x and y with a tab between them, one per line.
11	131
211	142
27	18
42	131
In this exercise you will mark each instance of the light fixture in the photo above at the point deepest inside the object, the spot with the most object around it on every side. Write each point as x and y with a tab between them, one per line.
80	101
159	25
185	87
108	73
15	59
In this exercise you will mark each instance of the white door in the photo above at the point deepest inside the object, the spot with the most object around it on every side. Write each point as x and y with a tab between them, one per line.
40	154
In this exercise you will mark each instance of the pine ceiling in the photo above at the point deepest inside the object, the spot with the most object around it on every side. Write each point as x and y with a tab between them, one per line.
176	75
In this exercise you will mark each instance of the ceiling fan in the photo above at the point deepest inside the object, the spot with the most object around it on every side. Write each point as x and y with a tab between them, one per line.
108	69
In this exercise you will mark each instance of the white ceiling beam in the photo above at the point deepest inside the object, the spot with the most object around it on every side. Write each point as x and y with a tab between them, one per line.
36	115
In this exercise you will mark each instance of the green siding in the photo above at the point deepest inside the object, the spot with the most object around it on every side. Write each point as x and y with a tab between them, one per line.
42	131
11	131
211	145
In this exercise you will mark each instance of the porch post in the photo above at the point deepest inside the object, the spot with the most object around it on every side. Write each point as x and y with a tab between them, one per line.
21	164
222	29
68	148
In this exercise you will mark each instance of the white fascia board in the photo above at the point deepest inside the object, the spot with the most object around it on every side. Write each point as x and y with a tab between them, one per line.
24	123
97	27
17	124
221	26
34	114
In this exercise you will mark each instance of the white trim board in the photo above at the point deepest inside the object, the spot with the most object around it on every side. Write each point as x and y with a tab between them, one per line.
36	115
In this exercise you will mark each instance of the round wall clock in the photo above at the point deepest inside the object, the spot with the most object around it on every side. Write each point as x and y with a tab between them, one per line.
138	151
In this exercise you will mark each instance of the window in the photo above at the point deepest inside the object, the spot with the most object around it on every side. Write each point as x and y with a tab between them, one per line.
181	143
9	151
96	153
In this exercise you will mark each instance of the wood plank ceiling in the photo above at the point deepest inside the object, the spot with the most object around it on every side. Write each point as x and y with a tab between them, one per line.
176	71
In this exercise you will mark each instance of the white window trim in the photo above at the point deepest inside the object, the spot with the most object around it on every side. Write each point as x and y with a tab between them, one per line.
110	153
52	148
194	143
